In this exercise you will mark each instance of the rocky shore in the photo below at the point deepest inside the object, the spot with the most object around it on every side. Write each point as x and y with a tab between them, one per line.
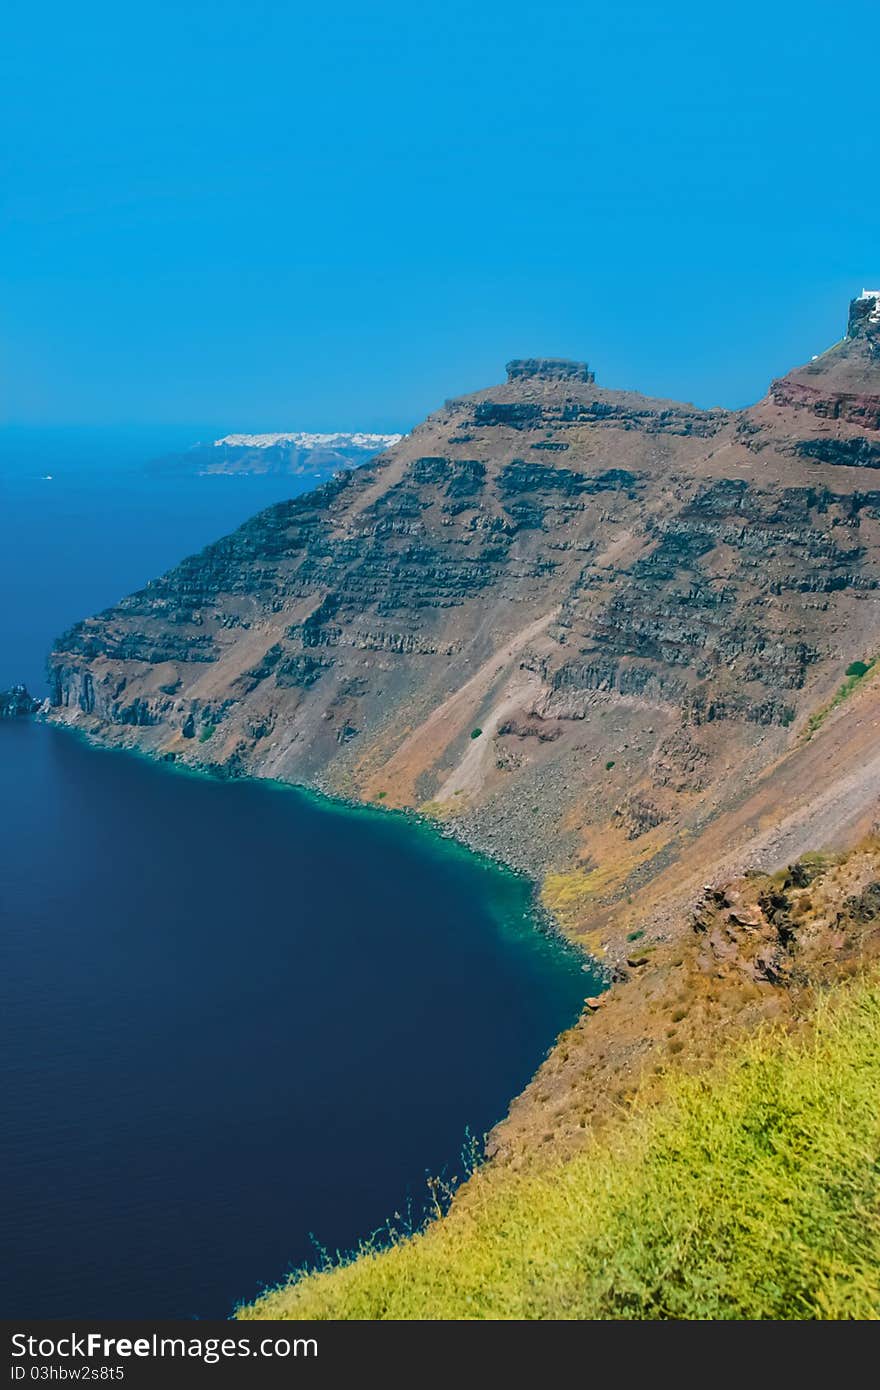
17	703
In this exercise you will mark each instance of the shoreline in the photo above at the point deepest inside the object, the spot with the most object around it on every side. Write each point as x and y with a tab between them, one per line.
536	920
539	915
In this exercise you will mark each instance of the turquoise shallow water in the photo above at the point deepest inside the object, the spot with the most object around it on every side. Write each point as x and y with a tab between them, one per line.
238	1022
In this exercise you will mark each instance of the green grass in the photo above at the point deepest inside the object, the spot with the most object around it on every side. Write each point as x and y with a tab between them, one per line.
855	672
750	1193
207	731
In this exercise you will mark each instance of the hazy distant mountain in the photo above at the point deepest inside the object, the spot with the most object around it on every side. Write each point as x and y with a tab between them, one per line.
297	453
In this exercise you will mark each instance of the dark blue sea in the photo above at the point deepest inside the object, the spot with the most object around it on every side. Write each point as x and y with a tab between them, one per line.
240	1025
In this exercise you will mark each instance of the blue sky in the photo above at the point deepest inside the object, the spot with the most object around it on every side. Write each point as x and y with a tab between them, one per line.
273	215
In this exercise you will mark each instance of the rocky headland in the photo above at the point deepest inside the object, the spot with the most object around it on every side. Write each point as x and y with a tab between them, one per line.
624	644
17	703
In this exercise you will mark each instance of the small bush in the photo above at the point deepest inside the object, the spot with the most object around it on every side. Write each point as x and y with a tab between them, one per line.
475	733
609	765
855	672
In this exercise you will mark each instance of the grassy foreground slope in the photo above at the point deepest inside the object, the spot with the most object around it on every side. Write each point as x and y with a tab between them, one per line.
751	1192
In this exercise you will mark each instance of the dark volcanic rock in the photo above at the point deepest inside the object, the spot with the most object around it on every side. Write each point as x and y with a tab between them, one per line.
845	453
518	414
553	368
17	702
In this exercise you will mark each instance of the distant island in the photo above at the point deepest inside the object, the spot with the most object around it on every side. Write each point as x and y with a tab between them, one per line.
297	453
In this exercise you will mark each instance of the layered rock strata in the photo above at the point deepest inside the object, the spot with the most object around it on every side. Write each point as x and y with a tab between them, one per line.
599	634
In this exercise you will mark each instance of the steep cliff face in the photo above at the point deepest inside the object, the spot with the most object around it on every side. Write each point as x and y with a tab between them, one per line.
593	629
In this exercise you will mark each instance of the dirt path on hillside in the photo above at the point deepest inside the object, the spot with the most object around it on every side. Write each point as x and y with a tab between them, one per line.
469	776
423	748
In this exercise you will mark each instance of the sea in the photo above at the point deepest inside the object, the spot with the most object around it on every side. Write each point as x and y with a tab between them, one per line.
242	1027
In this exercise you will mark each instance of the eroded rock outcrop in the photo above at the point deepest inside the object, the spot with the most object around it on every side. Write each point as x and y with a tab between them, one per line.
551	368
17	703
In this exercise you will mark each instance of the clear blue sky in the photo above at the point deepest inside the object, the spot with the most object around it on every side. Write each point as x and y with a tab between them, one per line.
272	215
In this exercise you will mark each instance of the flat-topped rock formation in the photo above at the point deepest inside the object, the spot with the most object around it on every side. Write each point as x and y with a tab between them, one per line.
554	368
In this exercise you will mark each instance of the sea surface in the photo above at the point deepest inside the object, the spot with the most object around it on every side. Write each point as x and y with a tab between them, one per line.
239	1025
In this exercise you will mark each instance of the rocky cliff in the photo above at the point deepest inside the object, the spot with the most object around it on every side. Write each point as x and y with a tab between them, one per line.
17	703
602	635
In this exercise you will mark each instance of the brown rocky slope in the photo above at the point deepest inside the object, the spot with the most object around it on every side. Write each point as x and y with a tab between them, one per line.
599	634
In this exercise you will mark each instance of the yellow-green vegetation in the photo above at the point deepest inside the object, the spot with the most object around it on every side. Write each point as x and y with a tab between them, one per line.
752	1192
440	810
855	672
567	893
